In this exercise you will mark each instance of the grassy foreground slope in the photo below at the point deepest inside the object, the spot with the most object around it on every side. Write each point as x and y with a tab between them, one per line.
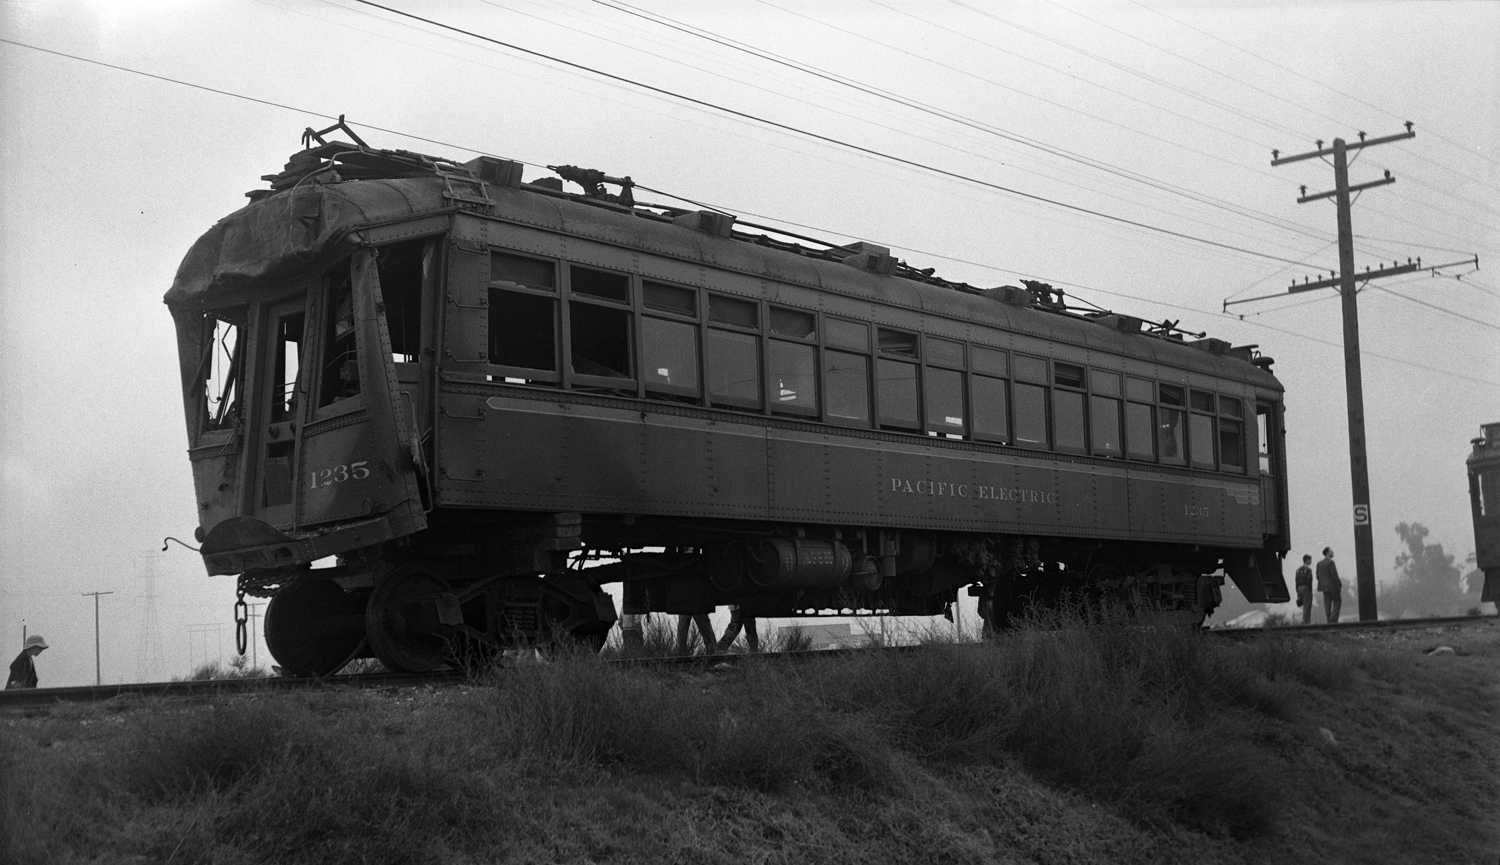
1053	744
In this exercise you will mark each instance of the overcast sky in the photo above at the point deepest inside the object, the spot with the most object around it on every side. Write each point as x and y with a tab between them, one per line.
1021	117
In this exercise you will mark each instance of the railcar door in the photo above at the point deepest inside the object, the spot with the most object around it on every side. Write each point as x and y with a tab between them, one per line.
358	453
281	377
1268	429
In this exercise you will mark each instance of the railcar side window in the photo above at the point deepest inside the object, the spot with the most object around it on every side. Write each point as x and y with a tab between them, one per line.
793	323
669	298
600	284
896	342
733	368
1201	430
1140	419
1169	431
1231	434
670	356
1067	408
988	361
730	310
846	377
943	386
896	389
340	378
222	374
1031	402
523	330
1104	413
990	417
601	341
529	272
792	371
851	335
599	335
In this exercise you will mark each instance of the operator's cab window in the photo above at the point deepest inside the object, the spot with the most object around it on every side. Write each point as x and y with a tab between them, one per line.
286	365
223	375
339	379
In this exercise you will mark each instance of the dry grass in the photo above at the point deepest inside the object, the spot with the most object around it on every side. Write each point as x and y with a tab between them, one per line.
1065	741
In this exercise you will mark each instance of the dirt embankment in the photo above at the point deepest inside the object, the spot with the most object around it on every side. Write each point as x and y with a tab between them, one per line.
1103	744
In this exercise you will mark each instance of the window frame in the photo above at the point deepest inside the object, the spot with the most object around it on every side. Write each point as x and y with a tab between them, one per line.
700	338
571	377
826	324
499	373
758	339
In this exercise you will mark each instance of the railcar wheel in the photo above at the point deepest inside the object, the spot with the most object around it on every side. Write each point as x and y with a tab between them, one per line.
313	627
571	610
402	621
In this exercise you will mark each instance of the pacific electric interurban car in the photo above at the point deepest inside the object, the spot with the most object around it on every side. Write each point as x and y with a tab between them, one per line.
458	388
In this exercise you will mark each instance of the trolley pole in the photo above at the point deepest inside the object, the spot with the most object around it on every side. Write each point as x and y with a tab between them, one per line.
98	676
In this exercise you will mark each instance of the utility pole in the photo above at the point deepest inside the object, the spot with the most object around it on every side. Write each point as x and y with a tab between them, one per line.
98	677
1359	471
254	621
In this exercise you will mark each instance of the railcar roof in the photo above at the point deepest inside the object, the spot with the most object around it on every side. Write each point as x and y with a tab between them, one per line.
311	217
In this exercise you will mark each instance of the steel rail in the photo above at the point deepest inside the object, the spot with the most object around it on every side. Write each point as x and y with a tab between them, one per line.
35	697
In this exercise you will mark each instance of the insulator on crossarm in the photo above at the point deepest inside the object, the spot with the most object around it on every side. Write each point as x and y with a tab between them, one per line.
1361	135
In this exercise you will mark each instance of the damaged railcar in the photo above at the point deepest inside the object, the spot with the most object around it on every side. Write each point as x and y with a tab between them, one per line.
461	386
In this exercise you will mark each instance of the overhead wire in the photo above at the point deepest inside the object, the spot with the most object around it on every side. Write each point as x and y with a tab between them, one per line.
1462	147
440	142
1053	150
827	139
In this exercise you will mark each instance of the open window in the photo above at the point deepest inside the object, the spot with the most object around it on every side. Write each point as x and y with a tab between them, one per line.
339	377
1171	432
523	319
599	328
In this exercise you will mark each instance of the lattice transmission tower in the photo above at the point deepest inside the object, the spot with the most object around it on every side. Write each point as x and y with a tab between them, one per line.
150	666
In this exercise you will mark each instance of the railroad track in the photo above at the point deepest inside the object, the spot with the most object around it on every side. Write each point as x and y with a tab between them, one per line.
1348	627
21	699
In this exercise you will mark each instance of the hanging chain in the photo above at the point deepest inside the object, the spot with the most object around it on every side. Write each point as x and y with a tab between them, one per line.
241	618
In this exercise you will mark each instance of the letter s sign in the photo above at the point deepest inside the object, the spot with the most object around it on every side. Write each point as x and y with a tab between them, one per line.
1361	515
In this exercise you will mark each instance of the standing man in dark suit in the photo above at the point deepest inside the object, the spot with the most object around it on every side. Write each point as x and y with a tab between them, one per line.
1330	585
1304	589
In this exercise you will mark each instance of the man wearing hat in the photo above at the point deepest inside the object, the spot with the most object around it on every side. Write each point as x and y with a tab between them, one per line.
23	668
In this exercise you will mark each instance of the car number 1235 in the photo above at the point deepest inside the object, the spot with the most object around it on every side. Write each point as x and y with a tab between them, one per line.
338	474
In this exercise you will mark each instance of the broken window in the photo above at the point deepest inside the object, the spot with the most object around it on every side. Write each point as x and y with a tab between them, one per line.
600	284
793	323
529	272
340	376
286	365
601	341
400	268
897	342
221	374
523	330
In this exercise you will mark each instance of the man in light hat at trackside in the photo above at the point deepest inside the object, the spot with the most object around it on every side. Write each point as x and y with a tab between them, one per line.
23	668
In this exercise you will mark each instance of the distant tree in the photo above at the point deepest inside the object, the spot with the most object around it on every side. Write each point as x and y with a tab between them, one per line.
1428	582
